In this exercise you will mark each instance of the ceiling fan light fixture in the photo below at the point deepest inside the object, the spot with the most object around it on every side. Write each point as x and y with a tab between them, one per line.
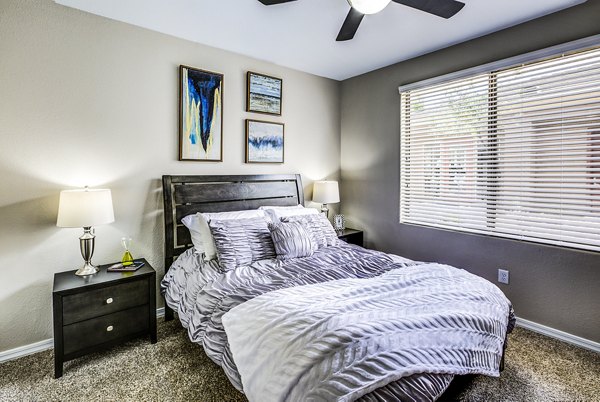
369	6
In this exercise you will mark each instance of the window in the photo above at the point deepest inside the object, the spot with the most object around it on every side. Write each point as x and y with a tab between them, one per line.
512	152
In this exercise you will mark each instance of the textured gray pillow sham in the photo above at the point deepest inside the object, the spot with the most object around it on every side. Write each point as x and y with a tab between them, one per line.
291	240
319	227
240	242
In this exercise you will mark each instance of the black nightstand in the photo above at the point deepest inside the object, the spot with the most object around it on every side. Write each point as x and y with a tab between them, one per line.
102	310
351	236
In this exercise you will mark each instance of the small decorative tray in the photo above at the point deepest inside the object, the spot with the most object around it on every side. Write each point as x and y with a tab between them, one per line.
119	267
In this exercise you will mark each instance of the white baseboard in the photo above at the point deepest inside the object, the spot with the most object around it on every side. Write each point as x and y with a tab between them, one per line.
560	335
40	346
26	350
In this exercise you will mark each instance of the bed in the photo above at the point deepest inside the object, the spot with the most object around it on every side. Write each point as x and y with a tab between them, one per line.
346	323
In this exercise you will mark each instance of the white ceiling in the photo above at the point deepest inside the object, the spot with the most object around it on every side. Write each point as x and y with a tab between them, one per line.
301	34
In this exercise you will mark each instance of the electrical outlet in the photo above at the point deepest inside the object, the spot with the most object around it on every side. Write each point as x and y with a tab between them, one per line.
503	276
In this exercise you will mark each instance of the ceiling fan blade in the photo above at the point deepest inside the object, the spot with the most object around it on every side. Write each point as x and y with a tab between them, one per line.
441	8
273	2
351	24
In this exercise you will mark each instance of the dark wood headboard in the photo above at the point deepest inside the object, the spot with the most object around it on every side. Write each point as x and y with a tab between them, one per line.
185	195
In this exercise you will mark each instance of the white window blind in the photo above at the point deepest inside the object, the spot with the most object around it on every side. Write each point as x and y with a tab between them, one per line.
512	153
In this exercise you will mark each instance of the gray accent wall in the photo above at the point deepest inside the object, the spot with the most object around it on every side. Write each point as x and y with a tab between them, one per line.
552	286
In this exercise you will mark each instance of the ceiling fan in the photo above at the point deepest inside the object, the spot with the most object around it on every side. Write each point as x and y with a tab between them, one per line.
441	8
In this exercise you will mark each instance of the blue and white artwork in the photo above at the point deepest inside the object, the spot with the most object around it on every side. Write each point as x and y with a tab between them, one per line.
264	142
264	94
201	119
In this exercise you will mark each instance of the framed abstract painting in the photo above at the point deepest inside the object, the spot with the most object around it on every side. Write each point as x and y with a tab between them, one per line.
264	142
200	115
264	94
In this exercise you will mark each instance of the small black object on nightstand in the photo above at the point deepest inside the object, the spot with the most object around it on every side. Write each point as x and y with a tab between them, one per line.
351	236
102	310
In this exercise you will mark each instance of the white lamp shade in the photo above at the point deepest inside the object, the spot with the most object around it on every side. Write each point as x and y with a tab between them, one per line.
84	208
369	6
326	192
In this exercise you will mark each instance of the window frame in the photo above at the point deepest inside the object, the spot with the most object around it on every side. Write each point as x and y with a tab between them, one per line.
492	69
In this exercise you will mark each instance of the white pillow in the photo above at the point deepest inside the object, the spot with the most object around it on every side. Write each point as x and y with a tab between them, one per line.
192	222
200	232
276	213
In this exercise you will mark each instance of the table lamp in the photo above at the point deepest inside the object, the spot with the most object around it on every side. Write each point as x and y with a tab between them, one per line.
84	209
326	192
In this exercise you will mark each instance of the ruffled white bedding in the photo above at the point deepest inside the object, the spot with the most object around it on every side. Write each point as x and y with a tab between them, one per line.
202	294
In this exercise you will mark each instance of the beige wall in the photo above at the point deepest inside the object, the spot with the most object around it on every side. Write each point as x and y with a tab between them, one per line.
88	101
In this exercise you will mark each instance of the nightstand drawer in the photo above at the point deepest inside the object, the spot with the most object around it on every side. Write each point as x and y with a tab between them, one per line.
94	303
104	329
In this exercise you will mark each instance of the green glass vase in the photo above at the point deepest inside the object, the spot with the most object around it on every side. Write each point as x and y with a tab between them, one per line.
127	257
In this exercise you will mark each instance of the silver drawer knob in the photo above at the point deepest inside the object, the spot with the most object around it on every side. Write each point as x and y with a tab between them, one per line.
109	300
109	328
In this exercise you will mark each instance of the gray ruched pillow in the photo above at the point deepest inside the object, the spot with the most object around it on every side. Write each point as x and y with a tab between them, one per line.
240	242
318	227
291	240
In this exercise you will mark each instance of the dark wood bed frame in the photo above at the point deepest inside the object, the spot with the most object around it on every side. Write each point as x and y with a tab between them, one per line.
185	195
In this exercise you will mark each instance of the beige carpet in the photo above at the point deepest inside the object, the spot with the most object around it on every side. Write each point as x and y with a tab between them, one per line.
174	369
